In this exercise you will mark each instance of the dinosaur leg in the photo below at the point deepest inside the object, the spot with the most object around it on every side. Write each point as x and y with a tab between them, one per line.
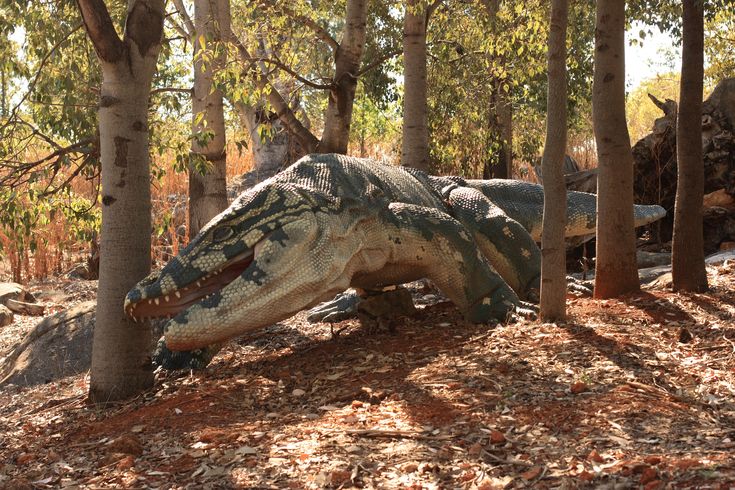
503	241
430	243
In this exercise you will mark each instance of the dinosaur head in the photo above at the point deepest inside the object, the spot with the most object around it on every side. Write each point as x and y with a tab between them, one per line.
254	264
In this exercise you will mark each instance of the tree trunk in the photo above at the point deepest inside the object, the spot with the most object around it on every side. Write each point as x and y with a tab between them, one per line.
415	146
553	248
500	114
121	365
338	117
501	129
208	165
270	154
616	271
687	250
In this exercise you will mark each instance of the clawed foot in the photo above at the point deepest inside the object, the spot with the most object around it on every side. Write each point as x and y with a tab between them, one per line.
173	360
584	288
342	307
528	311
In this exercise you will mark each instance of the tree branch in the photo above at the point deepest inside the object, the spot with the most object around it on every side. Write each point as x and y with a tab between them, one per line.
320	32
101	30
307	140
278	63
379	61
188	26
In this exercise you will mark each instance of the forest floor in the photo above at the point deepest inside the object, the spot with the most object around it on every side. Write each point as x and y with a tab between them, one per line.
637	392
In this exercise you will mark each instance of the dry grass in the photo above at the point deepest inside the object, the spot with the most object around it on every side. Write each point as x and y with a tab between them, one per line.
56	251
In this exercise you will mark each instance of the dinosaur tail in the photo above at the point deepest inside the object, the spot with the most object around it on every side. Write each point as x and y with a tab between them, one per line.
644	214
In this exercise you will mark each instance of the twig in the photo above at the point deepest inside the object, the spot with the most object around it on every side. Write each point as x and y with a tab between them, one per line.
497	459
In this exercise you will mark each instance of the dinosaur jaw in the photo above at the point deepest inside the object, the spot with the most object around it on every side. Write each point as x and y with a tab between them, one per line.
180	299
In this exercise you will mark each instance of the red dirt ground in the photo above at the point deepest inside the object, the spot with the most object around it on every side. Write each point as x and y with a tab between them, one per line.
630	393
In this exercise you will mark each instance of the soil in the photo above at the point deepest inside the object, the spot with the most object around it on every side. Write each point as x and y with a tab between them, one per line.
637	392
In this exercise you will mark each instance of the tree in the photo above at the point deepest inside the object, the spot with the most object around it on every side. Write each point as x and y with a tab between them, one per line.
553	249
500	113
208	158
616	271
347	56
687	248
415	142
121	348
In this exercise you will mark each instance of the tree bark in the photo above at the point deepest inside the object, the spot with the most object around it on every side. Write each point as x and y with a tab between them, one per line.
121	365
270	154
500	115
553	248
338	117
616	271
415	145
687	251
208	190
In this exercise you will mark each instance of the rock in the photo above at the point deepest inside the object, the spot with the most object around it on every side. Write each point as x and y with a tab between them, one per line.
59	345
6	316
719	198
23	308
14	291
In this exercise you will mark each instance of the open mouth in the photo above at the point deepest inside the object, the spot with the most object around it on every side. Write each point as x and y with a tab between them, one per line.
169	305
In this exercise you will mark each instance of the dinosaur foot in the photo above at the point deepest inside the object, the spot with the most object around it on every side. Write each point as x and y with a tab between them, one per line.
583	288
529	311
342	307
173	360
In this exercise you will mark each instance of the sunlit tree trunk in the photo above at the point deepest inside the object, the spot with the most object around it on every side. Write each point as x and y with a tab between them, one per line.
553	249
687	251
208	189
616	271
338	117
121	349
415	144
270	153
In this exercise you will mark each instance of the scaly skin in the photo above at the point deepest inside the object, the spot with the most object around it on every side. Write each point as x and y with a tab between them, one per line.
331	222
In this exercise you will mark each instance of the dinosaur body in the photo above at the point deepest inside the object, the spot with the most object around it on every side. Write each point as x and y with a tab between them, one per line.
331	222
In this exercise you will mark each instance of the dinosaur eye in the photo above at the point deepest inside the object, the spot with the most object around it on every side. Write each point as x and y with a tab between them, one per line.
222	233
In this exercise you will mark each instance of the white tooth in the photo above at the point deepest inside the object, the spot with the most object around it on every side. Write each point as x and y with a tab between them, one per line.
199	284
150	301
165	298
178	294
157	301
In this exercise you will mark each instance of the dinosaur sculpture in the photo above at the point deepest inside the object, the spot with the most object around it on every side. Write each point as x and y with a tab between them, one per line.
331	222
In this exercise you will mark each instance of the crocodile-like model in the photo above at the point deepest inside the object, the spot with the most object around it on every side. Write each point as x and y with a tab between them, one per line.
331	222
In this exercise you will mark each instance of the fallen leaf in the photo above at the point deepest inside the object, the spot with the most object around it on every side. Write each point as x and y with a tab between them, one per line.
595	456
578	387
532	473
497	437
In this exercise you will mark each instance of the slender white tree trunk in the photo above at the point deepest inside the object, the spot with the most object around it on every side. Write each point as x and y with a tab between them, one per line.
553	249
121	349
415	145
338	117
208	191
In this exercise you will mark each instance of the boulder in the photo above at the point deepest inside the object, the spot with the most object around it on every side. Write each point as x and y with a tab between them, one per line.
59	345
14	291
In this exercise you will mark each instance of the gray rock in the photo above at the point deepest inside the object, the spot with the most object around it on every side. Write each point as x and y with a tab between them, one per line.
14	291
59	345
